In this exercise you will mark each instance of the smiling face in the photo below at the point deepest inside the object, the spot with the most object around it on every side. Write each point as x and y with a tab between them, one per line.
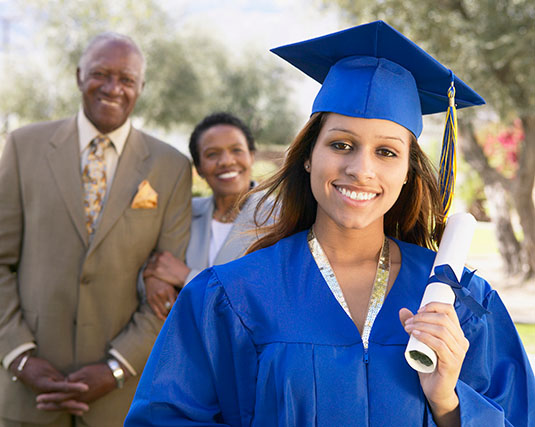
357	170
111	79
225	160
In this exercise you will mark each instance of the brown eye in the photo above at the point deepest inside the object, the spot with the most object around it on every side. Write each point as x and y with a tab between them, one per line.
385	152
341	146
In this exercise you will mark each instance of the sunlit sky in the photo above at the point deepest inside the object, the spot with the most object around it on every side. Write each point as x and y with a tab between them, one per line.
261	24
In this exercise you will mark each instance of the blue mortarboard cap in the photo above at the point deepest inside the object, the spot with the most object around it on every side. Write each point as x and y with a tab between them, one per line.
374	71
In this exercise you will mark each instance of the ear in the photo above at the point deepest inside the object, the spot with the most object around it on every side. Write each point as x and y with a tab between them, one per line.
307	165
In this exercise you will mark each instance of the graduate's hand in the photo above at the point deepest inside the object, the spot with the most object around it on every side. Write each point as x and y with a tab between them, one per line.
166	267
437	325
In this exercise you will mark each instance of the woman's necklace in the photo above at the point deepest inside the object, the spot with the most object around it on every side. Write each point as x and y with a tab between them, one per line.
228	216
380	282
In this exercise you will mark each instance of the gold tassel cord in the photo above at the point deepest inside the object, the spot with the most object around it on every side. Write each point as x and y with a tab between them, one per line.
448	161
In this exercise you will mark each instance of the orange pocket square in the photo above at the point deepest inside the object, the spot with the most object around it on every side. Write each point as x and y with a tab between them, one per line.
146	197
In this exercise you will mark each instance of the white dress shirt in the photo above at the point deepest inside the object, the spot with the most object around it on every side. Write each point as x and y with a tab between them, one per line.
220	231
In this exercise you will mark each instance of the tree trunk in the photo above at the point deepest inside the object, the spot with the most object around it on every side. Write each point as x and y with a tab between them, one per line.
497	195
499	211
523	193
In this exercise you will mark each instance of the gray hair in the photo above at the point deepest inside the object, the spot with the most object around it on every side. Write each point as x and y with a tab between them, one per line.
106	37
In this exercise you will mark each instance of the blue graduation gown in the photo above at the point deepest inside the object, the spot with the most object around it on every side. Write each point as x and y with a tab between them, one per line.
262	341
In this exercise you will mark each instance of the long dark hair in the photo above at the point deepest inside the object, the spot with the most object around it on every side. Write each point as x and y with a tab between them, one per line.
416	216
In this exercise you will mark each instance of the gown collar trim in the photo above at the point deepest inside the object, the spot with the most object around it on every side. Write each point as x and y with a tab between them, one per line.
380	283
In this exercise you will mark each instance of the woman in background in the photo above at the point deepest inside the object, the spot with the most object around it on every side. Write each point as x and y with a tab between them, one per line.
222	148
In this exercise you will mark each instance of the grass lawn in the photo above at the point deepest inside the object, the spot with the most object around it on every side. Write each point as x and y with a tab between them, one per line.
484	240
527	333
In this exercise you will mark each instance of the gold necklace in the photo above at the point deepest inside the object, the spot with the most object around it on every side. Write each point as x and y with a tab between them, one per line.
228	216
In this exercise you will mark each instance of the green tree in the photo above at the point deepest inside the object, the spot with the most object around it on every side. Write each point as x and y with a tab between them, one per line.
491	44
187	76
256	89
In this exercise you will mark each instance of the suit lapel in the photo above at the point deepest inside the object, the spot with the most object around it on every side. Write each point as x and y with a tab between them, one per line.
131	168
64	159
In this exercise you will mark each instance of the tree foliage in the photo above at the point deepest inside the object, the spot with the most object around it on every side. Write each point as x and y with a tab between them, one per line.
187	76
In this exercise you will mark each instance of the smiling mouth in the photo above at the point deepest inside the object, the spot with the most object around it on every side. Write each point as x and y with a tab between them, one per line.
228	175
354	195
109	103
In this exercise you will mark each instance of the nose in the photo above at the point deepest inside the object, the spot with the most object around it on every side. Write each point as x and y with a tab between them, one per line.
361	166
112	86
226	158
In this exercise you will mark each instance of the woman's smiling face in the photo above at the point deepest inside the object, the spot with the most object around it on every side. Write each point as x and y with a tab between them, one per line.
225	160
357	170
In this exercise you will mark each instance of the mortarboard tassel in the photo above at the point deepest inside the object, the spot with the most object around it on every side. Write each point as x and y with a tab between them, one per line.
448	162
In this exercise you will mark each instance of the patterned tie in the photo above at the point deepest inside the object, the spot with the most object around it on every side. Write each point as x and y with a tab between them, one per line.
94	180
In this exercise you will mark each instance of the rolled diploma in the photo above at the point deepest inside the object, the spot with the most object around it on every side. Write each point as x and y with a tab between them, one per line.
453	250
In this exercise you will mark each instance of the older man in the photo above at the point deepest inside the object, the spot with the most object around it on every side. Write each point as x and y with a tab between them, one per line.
84	202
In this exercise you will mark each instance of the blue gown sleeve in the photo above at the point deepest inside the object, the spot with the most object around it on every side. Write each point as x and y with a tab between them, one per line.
496	386
202	368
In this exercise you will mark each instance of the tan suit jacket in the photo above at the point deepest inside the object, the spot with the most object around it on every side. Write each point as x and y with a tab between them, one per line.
73	298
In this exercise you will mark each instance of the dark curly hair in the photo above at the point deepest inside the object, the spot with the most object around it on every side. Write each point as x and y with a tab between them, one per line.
215	119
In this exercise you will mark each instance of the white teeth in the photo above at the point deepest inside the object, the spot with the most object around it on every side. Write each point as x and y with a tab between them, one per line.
353	195
228	175
109	102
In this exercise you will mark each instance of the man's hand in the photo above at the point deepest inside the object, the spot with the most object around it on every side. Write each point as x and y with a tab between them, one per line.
42	377
98	380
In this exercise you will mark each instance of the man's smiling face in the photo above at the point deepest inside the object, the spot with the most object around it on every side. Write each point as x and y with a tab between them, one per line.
110	79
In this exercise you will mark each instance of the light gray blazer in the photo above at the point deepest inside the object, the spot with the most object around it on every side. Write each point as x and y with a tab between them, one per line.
234	246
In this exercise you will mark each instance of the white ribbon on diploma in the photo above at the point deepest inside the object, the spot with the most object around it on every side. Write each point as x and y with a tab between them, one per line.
453	250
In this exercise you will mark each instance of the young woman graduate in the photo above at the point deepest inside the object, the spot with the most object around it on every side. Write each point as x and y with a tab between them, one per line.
310	328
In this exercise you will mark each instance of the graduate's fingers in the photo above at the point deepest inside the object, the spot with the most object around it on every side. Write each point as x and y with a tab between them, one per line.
441	330
448	342
404	315
440	321
441	307
440	313
450	356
